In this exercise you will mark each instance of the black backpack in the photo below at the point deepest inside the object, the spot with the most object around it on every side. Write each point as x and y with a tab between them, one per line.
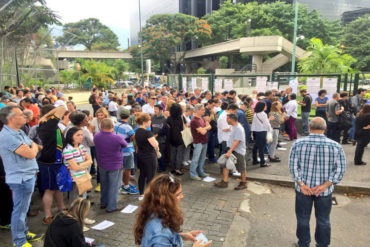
92	99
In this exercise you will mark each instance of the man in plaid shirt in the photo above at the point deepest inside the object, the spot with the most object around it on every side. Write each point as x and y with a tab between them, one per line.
316	164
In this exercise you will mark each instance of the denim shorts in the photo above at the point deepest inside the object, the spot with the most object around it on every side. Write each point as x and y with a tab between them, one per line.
128	161
48	176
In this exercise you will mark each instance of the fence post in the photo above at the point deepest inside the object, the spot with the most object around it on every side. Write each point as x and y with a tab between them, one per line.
345	82
338	84
180	82
355	83
211	82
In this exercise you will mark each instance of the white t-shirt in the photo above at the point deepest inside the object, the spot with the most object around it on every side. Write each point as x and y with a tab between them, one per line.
60	102
112	106
148	109
222	125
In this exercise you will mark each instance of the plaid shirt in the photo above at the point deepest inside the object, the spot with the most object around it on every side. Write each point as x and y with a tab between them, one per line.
316	159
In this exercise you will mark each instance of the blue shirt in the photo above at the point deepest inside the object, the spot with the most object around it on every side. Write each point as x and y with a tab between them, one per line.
126	131
242	119
2	105
321	101
316	159
17	168
155	235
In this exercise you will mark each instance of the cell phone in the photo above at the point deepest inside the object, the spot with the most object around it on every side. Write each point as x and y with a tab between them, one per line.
202	237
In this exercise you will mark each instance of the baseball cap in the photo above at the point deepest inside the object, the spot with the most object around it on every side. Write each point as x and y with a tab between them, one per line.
193	98
124	113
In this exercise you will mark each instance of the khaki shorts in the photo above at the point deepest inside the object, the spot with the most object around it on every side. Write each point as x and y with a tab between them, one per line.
240	162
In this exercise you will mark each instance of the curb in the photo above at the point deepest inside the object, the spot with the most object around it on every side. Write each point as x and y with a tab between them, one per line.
343	187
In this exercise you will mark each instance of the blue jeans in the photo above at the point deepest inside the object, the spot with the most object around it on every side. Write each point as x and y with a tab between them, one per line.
303	208
22	194
212	140
110	182
197	163
305	116
352	130
333	131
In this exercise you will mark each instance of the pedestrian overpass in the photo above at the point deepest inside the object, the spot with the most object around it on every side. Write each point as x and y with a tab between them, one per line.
94	54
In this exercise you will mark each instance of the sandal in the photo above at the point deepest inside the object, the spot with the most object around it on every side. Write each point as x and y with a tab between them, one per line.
47	220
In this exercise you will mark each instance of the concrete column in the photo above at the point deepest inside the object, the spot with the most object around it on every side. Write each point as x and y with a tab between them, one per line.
208	6
193	7
257	60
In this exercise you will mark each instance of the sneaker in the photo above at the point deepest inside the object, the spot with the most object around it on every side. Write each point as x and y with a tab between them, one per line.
48	220
222	184
241	186
265	165
89	221
141	198
132	186
85	229
6	227
204	175
25	245
361	164
97	188
196	178
189	161
275	160
33	237
129	191
185	163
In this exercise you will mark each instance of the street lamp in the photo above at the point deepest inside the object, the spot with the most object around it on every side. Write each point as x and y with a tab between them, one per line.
248	26
141	48
295	37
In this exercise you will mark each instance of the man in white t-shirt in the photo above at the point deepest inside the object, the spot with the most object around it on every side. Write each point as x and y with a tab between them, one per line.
223	131
149	108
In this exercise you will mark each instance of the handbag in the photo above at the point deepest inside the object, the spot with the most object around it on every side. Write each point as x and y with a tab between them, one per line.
83	183
269	136
187	137
64	179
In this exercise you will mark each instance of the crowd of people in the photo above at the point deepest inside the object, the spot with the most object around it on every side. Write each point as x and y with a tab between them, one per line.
150	131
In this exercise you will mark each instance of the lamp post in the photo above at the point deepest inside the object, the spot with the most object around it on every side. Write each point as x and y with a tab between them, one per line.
248	26
295	37
141	47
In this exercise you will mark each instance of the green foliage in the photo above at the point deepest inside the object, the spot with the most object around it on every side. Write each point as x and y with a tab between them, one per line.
230	22
201	71
164	32
224	61
325	59
356	41
91	33
22	18
100	73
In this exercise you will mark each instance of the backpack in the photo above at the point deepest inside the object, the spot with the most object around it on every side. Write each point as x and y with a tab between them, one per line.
92	99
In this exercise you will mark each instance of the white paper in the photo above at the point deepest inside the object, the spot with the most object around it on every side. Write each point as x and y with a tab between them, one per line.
208	179
103	225
228	84
282	143
89	240
282	149
129	209
218	85
261	84
330	84
205	84
294	85
184	84
313	86
193	83
272	85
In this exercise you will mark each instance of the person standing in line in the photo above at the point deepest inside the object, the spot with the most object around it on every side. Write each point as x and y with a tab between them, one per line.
316	164
159	129
146	152
333	111
291	114
357	101
149	107
260	126
345	118
94	101
237	146
18	153
210	117
277	117
305	110
223	129
108	147
112	105
186	117
321	102
199	128
362	133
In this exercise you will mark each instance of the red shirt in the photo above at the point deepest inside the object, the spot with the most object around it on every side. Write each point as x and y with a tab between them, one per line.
36	113
195	123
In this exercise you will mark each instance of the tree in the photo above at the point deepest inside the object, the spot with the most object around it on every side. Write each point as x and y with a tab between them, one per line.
91	33
100	73
356	41
163	33
230	22
325	59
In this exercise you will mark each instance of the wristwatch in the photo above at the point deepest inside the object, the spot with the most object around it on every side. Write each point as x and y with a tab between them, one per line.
300	183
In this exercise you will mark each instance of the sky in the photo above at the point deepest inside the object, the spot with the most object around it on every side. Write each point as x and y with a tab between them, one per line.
113	13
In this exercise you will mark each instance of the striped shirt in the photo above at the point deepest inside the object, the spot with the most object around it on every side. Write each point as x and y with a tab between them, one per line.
69	153
316	159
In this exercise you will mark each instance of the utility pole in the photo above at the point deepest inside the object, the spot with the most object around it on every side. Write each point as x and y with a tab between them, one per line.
16	67
141	47
295	37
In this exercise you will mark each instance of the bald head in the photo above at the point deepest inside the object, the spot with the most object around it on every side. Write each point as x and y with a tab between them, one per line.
317	125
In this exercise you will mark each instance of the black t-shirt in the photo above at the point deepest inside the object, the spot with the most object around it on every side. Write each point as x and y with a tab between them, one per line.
213	123
52	141
141	137
308	101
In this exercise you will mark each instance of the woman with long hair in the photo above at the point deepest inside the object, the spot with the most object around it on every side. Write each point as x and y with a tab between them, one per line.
362	133
146	155
66	229
260	126
277	117
160	217
175	126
